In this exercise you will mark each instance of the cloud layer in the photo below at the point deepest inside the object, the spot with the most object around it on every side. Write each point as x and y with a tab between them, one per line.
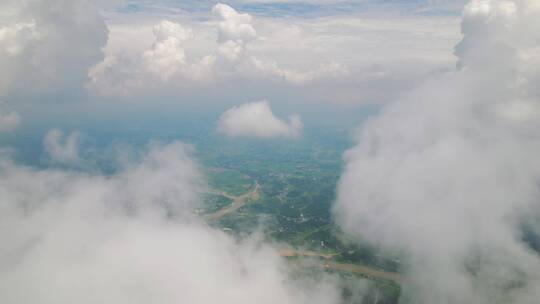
344	58
130	238
256	119
182	52
167	62
449	175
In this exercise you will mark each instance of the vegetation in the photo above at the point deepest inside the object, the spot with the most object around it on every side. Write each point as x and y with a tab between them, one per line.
298	182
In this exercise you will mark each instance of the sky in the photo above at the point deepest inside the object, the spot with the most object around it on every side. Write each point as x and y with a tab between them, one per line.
440	98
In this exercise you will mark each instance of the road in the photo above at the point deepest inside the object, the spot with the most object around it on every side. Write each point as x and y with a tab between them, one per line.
331	265
254	194
238	202
363	270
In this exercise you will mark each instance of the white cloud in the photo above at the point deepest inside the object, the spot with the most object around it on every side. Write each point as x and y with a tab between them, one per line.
167	55
130	238
449	174
272	69
13	38
50	45
255	119
197	56
329	57
62	149
234	26
231	50
8	120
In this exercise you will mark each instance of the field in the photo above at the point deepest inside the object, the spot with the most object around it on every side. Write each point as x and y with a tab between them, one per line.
295	191
282	188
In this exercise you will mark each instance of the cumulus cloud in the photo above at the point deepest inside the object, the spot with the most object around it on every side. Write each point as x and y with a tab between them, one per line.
180	56
130	238
234	26
167	54
234	32
255	119
49	44
167	57
449	175
62	149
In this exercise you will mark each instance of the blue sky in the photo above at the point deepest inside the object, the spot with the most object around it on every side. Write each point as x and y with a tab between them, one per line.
303	8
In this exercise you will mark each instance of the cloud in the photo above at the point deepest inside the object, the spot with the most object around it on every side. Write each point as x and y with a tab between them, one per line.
228	46
167	54
189	55
449	174
50	44
235	31
62	149
234	26
130	237
272	69
255	119
8	120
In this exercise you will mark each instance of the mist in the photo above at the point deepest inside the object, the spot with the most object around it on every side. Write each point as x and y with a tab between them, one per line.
131	237
448	176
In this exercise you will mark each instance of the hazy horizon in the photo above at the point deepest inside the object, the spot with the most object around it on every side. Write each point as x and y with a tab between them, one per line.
270	151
